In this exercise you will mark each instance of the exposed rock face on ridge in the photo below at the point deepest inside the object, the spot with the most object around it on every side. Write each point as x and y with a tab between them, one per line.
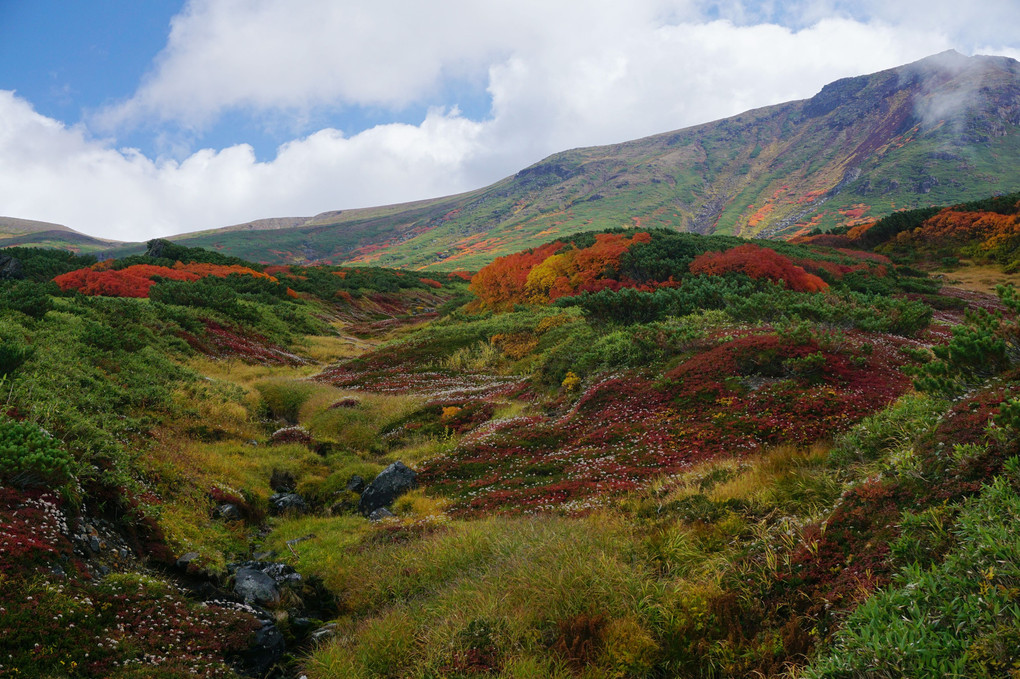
391	483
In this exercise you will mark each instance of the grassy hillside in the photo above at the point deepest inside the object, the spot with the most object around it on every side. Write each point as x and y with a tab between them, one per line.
20	232
938	131
639	453
942	130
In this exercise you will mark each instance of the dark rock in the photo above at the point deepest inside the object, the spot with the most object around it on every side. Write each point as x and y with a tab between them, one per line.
229	512
355	485
10	268
185	561
266	650
281	573
380	514
94	544
287	502
391	483
327	631
255	587
282	481
302	627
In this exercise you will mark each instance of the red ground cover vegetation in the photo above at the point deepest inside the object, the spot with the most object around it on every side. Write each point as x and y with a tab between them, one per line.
135	280
735	398
759	263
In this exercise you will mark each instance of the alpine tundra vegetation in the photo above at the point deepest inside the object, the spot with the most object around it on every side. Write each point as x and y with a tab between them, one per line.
624	453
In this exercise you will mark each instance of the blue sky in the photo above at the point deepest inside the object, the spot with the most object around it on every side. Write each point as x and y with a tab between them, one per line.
128	120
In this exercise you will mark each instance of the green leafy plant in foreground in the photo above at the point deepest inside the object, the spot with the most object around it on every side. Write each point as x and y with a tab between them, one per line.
985	345
29	455
960	618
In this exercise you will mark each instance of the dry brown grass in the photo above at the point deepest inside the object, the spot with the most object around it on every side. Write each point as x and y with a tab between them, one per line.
325	349
980	277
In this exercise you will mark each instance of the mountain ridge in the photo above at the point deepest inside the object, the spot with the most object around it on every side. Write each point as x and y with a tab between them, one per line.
936	131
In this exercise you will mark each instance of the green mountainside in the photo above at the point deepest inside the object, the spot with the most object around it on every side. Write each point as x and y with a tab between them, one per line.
941	130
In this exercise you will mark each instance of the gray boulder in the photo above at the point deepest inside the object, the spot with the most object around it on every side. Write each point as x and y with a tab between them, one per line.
255	587
356	484
185	560
229	512
284	502
327	631
391	483
380	514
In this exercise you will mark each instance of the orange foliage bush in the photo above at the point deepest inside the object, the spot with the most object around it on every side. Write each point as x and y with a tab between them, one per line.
758	262
990	228
219	270
135	280
550	272
501	284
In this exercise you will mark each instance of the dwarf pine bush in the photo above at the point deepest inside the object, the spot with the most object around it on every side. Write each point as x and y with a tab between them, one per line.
30	456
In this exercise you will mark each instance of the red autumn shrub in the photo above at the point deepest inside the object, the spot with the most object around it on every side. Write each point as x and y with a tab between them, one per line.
758	263
135	280
552	271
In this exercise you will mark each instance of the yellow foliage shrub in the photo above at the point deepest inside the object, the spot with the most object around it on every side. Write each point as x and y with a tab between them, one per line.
515	345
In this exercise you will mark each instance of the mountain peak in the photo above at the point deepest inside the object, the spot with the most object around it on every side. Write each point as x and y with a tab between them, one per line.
941	130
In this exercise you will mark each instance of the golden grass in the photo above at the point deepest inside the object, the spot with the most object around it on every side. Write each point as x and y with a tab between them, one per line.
980	277
419	505
246	374
356	428
188	529
754	480
521	575
324	349
507	409
248	468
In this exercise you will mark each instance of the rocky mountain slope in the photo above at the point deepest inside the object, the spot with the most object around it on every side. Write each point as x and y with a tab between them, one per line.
863	147
941	130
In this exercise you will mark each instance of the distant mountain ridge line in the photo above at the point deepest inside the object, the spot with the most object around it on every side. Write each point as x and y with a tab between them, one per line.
939	131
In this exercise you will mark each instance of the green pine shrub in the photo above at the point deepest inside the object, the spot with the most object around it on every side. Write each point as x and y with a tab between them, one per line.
31	456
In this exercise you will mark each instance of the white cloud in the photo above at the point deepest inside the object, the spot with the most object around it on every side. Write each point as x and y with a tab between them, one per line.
560	75
54	173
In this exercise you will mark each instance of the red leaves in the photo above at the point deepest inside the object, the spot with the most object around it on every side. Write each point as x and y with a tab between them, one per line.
135	280
758	263
732	399
550	272
502	283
